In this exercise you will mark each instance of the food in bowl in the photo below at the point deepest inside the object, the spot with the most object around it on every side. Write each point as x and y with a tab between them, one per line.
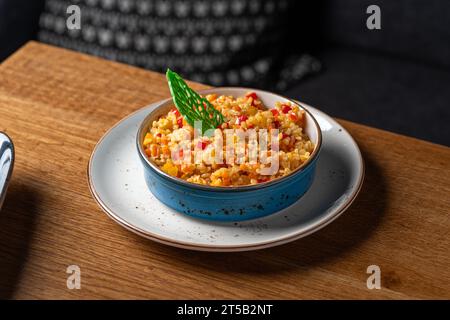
162	142
220	191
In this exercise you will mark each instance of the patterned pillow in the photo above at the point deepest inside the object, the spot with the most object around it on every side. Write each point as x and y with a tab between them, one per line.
220	42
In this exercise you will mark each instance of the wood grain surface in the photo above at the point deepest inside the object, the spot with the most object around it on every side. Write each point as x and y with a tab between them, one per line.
55	105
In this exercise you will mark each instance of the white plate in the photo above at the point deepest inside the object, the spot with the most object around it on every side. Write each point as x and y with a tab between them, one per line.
117	183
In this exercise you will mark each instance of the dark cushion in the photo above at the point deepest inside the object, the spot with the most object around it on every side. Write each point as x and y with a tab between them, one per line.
380	91
414	29
18	23
219	42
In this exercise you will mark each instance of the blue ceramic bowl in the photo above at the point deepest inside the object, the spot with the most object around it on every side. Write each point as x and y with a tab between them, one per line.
230	203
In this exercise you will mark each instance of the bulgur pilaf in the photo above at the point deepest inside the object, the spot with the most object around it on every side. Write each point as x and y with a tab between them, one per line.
162	142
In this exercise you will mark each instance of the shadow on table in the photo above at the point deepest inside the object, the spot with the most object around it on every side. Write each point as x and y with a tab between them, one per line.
336	240
17	220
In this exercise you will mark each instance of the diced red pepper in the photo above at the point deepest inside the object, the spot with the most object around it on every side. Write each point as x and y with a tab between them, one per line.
293	116
176	112
285	108
250	126
284	135
159	135
276	124
180	153
252	95
274	112
180	122
202	144
263	180
241	119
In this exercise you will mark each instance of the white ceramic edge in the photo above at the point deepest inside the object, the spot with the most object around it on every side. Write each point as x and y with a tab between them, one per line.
226	248
4	188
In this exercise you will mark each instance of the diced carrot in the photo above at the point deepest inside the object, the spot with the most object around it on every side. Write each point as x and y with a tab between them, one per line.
165	150
170	168
148	139
154	150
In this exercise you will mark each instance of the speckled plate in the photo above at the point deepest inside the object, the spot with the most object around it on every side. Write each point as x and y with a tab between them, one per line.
117	183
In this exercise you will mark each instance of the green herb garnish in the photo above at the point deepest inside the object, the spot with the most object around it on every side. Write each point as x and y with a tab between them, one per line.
191	105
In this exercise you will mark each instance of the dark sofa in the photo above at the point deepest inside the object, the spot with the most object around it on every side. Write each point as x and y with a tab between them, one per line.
396	78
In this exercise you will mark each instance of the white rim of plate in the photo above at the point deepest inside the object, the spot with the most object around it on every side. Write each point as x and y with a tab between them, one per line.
222	248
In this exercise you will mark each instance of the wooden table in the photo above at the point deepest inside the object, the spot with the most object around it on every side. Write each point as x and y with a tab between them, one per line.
55	104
